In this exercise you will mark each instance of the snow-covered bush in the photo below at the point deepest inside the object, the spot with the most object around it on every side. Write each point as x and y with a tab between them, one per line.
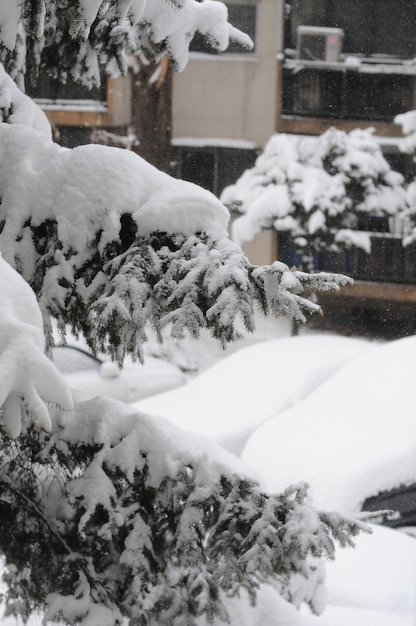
408	123
317	189
105	514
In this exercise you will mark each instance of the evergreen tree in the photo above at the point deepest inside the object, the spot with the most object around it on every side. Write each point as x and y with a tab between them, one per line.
106	514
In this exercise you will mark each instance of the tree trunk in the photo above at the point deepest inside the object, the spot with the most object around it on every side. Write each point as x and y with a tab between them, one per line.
152	113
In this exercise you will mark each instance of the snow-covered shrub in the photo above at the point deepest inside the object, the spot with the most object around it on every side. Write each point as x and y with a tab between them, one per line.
317	189
136	518
408	123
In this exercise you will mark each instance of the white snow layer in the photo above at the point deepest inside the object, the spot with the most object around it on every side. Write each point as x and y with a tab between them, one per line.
230	400
9	20
26	374
94	184
23	109
353	437
178	27
408	123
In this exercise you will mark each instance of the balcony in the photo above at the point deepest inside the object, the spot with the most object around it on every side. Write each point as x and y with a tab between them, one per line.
388	262
316	94
382	299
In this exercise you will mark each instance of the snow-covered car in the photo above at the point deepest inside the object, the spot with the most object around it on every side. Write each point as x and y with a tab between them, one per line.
92	376
230	399
354	437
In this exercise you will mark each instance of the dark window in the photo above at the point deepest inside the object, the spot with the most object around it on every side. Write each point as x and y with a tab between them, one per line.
371	27
212	167
53	89
242	16
313	93
346	95
377	97
401	162
73	136
199	167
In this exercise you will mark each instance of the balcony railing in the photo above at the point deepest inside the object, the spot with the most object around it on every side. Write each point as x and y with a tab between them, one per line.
388	260
370	91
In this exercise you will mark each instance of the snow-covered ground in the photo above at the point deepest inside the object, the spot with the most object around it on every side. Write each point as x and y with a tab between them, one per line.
332	392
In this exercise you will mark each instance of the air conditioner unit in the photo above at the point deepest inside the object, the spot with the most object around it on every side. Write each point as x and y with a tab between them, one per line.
317	43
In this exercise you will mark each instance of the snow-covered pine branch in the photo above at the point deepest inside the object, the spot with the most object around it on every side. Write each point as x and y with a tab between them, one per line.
75	39
109	244
141	520
318	190
28	378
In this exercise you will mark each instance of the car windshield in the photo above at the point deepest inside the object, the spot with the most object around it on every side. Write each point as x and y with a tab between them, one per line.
72	359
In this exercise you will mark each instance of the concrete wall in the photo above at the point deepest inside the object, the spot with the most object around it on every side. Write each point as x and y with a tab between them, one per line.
234	96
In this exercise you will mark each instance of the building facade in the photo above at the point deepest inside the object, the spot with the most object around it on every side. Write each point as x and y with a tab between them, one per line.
314	64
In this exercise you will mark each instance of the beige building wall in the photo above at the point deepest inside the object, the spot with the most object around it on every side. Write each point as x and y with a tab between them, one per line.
233	96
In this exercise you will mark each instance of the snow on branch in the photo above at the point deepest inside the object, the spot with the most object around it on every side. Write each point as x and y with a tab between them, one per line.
17	108
28	379
74	39
109	244
281	291
141	520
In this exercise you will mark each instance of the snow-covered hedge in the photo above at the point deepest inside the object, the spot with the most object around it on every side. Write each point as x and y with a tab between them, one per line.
317	189
408	123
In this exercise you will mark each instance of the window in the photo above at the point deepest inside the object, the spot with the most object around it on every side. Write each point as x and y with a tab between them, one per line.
242	15
346	95
211	166
50	88
371	27
381	32
75	109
